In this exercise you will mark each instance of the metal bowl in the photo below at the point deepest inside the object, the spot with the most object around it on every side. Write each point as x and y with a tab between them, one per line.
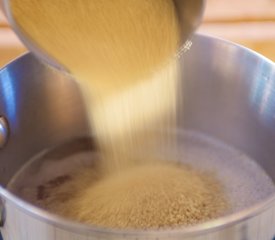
229	93
190	15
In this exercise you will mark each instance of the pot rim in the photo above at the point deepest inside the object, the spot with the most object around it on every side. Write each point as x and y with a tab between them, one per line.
210	226
203	228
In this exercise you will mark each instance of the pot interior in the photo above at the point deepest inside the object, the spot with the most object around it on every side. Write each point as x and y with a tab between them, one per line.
227	94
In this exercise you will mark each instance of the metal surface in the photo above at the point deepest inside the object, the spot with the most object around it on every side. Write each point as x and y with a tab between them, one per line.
2	213
190	15
43	107
4	131
229	93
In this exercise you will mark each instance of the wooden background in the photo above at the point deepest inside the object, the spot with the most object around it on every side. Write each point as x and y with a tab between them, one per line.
247	22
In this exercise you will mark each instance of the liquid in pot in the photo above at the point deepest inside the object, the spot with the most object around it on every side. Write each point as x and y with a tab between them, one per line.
227	177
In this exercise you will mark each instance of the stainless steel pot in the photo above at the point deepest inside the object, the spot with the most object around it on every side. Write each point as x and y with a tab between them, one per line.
229	93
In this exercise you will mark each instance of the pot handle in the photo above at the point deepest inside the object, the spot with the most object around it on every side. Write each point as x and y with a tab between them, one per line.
2	216
4	132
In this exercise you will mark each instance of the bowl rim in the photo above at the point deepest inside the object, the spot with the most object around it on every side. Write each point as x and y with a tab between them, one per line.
30	45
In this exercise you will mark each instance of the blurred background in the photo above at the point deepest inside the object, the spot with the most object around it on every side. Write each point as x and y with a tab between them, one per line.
248	22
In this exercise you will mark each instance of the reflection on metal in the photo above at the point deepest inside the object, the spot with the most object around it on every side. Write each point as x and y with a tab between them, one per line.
2	214
4	132
263	93
8	89
185	47
244	232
